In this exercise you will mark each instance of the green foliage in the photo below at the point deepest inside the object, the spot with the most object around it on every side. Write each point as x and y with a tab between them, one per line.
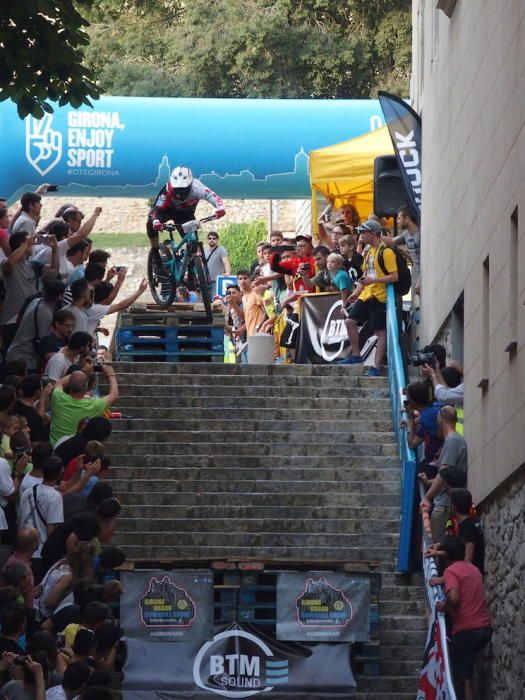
41	57
251	48
240	240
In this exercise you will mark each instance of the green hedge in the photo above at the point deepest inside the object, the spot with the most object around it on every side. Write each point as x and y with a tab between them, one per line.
240	240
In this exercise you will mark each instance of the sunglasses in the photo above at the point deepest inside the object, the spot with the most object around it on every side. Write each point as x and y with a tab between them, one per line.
212	238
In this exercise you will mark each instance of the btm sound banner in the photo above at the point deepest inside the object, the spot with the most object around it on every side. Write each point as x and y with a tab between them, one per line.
189	660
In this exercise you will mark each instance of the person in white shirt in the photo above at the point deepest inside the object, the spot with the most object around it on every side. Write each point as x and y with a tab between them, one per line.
78	346
41	506
9	487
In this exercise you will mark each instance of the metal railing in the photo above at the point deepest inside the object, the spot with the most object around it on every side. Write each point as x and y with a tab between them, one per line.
436	673
397	380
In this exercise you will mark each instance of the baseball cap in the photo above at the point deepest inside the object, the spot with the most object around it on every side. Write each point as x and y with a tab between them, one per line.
304	237
370	225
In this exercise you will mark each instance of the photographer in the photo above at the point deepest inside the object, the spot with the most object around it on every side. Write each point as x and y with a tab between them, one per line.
34	323
33	393
447	382
78	345
322	279
425	430
300	266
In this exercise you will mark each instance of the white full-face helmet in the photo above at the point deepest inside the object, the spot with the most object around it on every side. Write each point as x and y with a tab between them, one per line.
180	182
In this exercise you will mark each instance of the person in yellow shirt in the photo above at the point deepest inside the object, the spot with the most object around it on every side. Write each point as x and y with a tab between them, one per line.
370	295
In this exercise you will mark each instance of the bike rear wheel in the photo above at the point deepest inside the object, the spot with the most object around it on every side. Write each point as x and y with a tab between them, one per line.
202	277
162	286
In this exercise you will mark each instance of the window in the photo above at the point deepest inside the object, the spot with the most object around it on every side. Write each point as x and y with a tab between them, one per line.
485	328
513	286
447	6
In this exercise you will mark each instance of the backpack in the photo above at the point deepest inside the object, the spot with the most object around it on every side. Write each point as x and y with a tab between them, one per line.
404	278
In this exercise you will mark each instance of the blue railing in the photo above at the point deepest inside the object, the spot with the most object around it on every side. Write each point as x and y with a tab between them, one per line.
397	380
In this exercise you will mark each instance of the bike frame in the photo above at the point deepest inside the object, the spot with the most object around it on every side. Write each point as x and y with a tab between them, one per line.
177	268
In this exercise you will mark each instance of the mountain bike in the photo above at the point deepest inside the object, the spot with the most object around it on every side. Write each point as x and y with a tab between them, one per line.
180	264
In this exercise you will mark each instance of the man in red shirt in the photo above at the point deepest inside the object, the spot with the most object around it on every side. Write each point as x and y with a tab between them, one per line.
466	605
303	260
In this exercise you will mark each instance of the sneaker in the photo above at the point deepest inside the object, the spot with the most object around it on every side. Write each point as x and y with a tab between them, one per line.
350	360
373	372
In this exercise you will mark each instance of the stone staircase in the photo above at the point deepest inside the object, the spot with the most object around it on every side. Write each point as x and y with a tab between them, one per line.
292	463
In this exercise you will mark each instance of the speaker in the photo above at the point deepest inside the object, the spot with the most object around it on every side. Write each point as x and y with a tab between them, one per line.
389	189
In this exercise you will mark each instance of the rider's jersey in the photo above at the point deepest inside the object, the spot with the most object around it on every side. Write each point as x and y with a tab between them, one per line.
197	192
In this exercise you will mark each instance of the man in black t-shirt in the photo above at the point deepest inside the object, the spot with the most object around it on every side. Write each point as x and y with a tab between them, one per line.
469	527
97	428
32	393
62	327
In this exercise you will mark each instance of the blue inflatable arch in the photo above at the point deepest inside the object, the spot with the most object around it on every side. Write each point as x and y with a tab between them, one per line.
126	146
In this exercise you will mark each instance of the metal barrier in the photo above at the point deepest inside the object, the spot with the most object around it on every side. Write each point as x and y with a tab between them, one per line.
397	380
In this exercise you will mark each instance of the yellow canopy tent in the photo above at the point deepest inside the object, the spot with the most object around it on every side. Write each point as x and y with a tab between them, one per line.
344	173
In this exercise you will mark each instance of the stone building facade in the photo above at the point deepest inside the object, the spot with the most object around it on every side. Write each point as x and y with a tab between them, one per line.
469	86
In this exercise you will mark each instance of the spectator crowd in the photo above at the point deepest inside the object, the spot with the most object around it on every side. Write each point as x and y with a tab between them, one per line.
59	634
60	588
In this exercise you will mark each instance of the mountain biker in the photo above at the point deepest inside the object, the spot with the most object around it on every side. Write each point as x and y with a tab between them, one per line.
177	201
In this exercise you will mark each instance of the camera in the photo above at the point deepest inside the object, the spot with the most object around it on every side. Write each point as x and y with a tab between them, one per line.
61	640
20	660
97	367
45	380
282	248
422	358
52	188
119	268
19	451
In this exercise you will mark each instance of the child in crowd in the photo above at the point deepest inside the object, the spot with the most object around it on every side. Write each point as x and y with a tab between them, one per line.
340	278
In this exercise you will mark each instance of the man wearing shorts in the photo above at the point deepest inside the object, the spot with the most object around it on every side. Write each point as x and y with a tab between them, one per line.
370	295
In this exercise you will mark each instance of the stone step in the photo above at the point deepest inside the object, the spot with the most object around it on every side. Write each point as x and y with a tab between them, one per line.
210	392
259	551
306	437
388	684
165	534
130	521
400	607
403	653
165	382
402	667
197	506
232	412
153	369
299	445
274	486
184	497
389	695
307	424
376	480
127	403
394	638
382	463
402	593
407	623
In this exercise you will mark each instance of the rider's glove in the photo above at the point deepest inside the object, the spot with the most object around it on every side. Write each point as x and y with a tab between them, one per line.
220	212
157	225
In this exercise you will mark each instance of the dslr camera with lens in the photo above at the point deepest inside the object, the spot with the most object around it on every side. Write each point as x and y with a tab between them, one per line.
422	358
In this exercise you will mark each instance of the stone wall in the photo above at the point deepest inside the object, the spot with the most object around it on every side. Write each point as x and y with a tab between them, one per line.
502	672
128	215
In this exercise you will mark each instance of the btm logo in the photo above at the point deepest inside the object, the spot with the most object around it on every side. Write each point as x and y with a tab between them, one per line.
237	664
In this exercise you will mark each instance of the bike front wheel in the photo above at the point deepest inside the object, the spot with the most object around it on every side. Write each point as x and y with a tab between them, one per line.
202	278
162	286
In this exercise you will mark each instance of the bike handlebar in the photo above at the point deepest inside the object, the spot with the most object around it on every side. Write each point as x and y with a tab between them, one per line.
172	227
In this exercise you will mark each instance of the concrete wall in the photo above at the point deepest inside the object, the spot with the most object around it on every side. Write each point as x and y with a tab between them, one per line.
469	85
128	215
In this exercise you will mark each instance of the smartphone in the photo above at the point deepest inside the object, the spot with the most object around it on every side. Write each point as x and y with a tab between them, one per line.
97	367
52	188
120	268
